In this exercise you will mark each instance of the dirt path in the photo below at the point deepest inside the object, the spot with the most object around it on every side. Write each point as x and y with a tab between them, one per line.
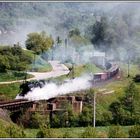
57	70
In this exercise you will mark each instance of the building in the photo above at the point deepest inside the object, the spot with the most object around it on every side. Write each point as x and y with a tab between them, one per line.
99	58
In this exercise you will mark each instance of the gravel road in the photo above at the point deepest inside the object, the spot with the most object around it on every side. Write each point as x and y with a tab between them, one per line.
58	69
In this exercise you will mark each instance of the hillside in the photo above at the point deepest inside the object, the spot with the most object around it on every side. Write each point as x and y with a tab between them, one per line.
57	19
88	52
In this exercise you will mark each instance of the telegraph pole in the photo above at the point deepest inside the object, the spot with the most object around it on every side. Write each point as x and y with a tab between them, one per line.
94	111
34	60
128	66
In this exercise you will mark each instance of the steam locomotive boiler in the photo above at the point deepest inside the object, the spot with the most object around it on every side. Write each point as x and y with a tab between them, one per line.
27	86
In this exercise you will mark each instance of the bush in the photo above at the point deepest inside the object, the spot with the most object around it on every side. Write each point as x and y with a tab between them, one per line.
116	132
67	135
134	132
48	133
89	132
15	132
40	134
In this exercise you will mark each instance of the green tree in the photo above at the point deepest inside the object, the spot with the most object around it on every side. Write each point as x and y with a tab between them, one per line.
4	63
130	102
13	58
74	32
86	117
66	117
98	32
126	110
38	42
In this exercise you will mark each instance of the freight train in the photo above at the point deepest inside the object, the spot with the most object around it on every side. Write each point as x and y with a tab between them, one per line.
112	70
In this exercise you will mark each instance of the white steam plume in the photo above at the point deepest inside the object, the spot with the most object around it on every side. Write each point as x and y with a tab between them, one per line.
52	90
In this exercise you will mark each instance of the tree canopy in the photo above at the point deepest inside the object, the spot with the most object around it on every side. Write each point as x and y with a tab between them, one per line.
13	58
38	42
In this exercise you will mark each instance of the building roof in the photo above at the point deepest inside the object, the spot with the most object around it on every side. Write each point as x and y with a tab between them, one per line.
99	54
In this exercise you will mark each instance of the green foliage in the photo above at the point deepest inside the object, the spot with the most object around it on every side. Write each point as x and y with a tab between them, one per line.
9	90
99	31
13	75
38	121
116	132
38	42
66	118
134	131
103	117
40	134
10	130
13	58
78	41
74	32
86	117
67	135
126	111
90	132
89	97
15	132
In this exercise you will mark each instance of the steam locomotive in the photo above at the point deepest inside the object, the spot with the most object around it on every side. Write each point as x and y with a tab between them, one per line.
27	86
112	70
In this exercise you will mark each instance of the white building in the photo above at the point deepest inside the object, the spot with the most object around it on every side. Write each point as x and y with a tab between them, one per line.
99	58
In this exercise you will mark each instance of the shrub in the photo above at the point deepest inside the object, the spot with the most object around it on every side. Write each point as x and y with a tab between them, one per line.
40	134
116	132
89	132
134	132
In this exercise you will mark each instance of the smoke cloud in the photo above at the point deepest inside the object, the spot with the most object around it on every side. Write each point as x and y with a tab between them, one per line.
52	90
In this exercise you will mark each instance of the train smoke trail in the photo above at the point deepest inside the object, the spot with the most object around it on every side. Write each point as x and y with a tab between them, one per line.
52	90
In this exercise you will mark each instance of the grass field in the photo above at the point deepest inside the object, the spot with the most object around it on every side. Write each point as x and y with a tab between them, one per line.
11	76
75	132
133	69
79	70
102	104
9	91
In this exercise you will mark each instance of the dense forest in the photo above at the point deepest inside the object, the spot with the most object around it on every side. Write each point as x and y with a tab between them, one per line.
112	28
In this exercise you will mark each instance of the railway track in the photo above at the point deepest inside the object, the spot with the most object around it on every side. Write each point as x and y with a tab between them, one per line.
16	105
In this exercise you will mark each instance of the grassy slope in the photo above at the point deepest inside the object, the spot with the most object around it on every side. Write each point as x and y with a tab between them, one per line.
11	76
104	103
79	71
74	132
40	66
9	90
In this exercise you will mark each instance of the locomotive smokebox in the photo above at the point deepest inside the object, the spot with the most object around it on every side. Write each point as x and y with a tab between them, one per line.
29	86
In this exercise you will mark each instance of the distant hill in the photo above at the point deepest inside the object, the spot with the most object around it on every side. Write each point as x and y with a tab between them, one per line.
17	19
